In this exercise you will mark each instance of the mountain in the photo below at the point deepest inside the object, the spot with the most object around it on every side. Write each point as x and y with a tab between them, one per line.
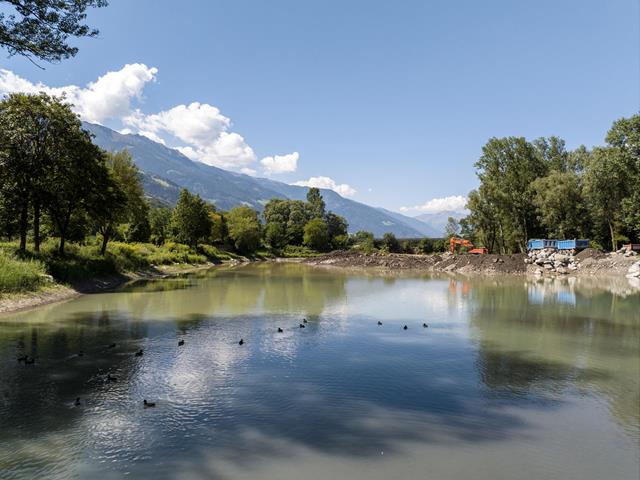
166	171
425	228
437	221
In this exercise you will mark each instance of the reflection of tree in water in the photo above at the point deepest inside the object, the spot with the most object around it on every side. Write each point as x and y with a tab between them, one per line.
528	344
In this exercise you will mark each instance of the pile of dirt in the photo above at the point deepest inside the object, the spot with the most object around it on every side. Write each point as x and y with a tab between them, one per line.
491	264
591	253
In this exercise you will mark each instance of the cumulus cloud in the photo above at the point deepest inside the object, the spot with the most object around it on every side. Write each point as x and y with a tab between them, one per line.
198	130
456	203
108	97
328	183
280	163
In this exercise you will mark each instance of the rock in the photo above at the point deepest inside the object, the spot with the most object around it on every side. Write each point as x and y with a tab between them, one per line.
548	266
634	270
562	270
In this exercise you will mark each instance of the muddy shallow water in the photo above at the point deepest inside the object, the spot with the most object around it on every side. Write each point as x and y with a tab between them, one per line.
513	378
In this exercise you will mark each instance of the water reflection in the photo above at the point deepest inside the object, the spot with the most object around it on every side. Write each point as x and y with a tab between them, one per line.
505	368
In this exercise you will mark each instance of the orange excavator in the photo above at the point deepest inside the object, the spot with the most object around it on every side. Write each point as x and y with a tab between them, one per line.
453	242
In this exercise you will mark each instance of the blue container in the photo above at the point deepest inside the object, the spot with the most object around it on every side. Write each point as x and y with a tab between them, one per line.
575	244
535	244
539	243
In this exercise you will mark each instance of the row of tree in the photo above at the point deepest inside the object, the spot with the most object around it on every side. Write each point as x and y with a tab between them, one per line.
540	189
55	182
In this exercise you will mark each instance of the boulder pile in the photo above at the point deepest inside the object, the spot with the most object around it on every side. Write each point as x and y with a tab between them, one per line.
553	261
624	252
634	270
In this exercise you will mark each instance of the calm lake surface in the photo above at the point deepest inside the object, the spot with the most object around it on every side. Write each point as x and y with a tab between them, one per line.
513	379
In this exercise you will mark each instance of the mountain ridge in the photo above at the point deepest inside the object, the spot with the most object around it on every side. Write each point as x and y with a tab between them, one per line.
165	171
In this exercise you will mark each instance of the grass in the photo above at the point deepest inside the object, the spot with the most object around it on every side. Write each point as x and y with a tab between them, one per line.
27	272
18	275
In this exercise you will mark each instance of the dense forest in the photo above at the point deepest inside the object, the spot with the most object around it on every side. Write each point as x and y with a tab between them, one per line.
539	189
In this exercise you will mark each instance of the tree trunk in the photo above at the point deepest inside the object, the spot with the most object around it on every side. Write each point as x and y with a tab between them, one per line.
36	226
105	240
63	234
24	220
614	242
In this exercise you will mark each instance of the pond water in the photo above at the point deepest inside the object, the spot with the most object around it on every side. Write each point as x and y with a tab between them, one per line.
512	379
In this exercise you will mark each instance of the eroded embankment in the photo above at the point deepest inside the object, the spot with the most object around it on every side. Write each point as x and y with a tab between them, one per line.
588	262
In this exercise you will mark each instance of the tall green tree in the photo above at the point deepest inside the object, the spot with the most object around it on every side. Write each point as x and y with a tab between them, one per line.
190	221
159	223
316	203
559	201
507	169
125	198
244	229
29	124
316	235
41	29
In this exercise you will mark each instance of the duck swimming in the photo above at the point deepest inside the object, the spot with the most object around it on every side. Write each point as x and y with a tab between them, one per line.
180	343
302	325
148	404
424	325
113	345
379	322
139	353
304	320
241	342
111	378
77	402
405	327
280	330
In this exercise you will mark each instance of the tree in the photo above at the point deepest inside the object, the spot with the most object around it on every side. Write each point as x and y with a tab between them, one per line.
605	186
275	235
316	203
507	169
390	242
42	28
28	126
219	231
316	234
364	240
337	227
625	135
126	200
452	228
78	176
558	198
190	222
159	221
244	229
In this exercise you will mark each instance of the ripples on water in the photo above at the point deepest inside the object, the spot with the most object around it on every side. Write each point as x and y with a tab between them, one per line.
512	379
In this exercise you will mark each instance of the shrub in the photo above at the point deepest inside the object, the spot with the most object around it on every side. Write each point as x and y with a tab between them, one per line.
18	275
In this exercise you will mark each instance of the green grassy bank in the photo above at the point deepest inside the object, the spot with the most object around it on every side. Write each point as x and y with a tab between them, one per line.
29	271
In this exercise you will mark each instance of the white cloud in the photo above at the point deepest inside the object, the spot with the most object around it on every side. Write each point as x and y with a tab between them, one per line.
108	97
249	171
280	163
456	203
328	183
198	130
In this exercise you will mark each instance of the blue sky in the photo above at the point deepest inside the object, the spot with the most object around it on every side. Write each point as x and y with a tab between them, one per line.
390	100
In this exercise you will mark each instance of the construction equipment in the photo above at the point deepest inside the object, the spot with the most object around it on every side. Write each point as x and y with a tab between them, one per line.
453	242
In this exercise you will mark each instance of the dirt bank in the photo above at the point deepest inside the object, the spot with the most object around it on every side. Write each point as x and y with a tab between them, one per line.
588	262
488	264
57	292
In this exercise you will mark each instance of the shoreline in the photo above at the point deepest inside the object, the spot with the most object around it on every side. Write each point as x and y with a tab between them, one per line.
57	292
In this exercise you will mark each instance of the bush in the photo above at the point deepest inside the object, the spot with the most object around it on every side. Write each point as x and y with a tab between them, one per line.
294	251
19	275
